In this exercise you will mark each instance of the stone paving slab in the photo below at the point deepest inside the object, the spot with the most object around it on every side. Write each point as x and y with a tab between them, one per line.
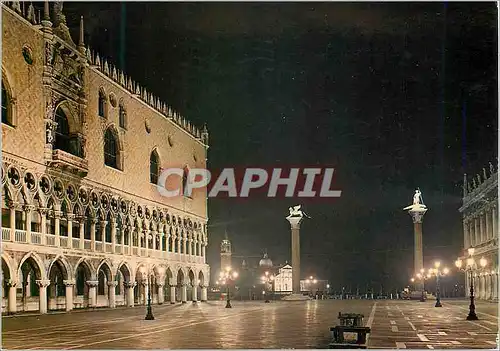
278	325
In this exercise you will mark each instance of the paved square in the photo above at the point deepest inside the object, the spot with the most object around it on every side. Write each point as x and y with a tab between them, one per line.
395	324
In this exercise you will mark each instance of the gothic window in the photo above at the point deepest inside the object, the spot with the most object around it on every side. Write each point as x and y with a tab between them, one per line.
111	150
62	141
154	167
102	104
122	116
5	107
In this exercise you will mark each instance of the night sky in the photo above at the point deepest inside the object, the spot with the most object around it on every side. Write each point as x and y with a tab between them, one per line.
395	96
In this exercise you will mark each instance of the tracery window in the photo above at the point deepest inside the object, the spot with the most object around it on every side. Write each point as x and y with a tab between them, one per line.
111	150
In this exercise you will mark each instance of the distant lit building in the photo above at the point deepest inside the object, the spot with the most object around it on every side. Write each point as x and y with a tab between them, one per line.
283	280
314	286
480	223
225	254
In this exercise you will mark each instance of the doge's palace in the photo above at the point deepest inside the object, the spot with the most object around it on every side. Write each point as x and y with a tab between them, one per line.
83	144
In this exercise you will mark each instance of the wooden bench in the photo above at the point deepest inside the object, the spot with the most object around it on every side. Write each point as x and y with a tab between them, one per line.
339	330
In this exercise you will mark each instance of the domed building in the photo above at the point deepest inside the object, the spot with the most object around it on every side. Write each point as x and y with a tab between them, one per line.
265	262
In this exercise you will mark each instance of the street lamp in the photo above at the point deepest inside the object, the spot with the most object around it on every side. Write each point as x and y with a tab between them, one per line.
267	280
439	273
149	313
470	265
225	278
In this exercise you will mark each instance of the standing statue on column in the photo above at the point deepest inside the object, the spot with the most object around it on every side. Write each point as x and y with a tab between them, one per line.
417	198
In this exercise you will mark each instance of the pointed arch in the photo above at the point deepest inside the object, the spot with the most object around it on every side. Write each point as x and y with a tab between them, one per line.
125	270
10	265
63	265
37	264
106	266
87	267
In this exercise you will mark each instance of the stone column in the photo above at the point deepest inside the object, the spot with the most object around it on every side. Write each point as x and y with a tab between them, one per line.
92	292
203	250
57	228
417	212
481	227
295	226
69	294
12	297
179	239
12	218
189	247
184	293
476	230
130	293
144	290
103	235
487	221
184	244
92	234
172	294
113	235
204	294
43	223
82	233
27	210
43	295
470	228
194	293
111	293
161	294
70	230
494	219
161	241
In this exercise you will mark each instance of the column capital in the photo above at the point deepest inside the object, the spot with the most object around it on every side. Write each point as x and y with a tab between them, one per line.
28	208
70	216
57	214
43	211
11	283
113	283
103	223
294	221
92	283
160	284
130	284
69	282
43	283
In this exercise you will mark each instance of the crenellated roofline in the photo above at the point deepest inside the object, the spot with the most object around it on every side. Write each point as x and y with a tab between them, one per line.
97	62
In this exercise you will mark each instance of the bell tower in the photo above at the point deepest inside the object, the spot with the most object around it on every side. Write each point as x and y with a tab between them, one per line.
225	253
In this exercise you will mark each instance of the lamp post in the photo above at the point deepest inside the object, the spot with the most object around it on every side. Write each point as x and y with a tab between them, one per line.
470	265
267	280
439	273
149	311
225	278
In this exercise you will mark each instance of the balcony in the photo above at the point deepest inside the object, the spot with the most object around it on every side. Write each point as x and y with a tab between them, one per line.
80	245
66	161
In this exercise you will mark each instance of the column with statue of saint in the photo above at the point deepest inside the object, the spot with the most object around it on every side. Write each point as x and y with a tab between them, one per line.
417	211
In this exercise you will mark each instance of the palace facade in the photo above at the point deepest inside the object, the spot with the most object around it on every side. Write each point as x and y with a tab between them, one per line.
480	223
83	145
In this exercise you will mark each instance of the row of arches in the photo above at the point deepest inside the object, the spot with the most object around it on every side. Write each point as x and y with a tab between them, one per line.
62	286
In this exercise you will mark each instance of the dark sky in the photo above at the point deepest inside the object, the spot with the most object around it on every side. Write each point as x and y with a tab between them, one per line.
395	95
